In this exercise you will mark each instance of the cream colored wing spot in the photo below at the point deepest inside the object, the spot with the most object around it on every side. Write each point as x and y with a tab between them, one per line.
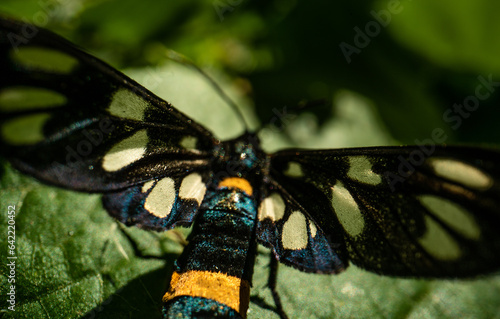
347	210
272	207
44	59
128	105
25	130
294	169
360	169
438	242
161	199
294	235
461	173
188	142
147	186
453	215
20	98
192	187
313	229
126	152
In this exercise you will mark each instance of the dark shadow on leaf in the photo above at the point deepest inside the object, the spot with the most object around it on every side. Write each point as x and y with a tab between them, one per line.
259	301
140	298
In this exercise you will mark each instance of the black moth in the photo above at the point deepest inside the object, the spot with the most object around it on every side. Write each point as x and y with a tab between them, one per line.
413	211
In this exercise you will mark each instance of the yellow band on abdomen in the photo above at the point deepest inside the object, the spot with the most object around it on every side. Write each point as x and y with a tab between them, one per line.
228	290
238	183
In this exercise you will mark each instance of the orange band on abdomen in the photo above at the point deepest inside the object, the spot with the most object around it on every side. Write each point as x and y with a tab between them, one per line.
238	183
228	290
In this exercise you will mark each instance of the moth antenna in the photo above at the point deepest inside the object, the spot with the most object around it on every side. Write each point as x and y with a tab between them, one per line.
179	58
300	107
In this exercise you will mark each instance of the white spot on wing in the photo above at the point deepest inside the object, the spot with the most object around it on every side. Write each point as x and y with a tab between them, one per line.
192	187
161	199
438	242
294	235
25	130
272	207
189	142
126	152
455	216
147	186
313	229
294	170
128	105
45	59
26	98
461	173
360	169
347	210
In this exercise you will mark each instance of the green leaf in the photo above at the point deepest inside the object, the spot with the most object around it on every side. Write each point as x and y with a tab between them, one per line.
455	34
360	294
71	256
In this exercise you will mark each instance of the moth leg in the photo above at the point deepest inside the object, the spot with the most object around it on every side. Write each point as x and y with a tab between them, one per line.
271	283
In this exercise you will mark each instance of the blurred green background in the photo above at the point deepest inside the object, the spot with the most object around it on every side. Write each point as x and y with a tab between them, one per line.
407	64
423	57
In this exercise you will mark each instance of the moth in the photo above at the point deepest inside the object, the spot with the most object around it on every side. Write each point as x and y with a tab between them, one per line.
70	120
